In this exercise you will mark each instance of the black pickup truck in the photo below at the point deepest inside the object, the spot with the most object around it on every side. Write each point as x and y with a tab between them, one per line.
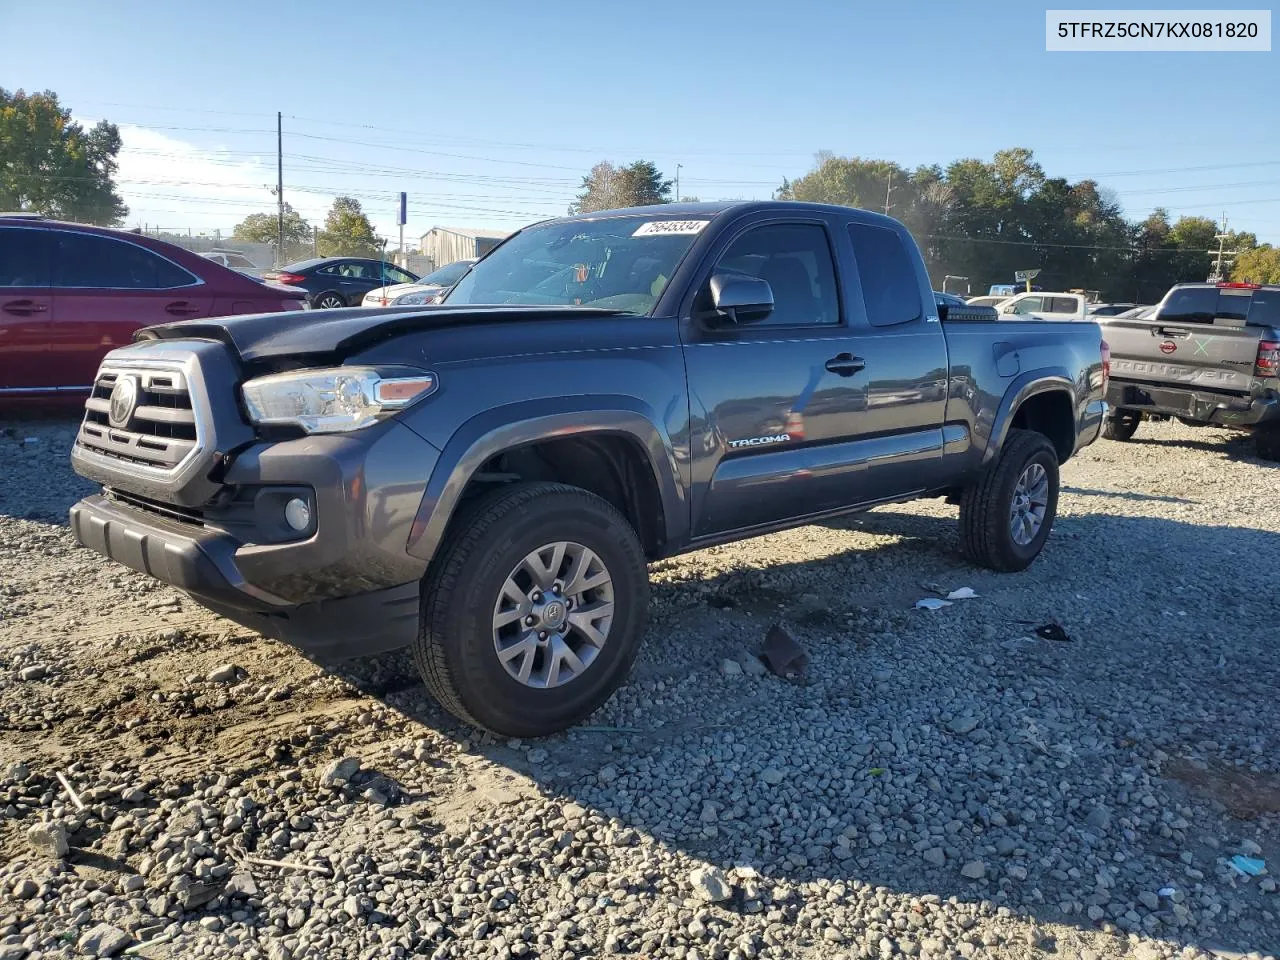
484	480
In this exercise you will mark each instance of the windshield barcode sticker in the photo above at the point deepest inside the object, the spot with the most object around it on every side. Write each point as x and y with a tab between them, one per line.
659	228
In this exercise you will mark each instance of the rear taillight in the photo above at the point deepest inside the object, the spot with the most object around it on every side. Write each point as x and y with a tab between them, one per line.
288	278
1268	362
1106	364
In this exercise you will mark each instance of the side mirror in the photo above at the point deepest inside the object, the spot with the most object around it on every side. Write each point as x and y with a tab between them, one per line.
1008	309
741	299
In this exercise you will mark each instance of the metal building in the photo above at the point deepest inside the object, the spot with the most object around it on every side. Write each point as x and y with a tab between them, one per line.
444	245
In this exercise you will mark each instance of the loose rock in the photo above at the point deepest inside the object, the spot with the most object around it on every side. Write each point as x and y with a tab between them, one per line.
710	883
48	840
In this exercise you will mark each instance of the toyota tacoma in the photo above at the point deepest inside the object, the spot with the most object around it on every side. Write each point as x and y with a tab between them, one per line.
484	480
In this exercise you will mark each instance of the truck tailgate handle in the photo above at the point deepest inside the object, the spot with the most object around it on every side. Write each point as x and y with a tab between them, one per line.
846	364
1176	333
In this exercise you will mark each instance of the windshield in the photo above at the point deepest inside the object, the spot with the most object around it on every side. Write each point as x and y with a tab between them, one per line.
616	263
446	276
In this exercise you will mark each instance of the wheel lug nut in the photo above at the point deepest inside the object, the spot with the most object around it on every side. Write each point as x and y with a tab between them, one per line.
537	596
530	620
542	634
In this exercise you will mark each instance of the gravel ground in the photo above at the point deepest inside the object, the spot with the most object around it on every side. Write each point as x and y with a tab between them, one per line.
937	784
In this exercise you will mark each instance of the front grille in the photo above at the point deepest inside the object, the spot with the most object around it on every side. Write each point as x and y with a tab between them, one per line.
160	432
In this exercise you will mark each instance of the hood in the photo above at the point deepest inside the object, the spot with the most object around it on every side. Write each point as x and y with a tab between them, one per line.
333	334
395	289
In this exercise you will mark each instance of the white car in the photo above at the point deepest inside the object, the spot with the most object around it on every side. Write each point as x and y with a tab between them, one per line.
986	301
427	289
234	260
1046	306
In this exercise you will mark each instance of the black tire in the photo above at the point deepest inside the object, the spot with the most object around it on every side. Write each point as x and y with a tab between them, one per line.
330	301
1121	425
986	504
1267	441
455	650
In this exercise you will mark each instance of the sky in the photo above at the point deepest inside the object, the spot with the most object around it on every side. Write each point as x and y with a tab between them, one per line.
489	113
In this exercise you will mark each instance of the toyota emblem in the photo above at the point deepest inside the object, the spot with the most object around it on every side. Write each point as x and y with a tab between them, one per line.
124	398
1168	347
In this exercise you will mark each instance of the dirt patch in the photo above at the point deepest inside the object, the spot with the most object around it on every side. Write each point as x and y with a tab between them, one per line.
1245	794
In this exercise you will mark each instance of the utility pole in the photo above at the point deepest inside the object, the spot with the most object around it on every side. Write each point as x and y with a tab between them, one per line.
279	190
1221	257
678	166
888	189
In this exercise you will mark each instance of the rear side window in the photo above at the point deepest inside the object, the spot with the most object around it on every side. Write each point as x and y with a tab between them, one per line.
87	260
1062	305
358	271
24	260
1190	305
889	287
1265	311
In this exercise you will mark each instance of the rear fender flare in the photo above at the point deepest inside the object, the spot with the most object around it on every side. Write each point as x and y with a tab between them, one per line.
1030	384
514	425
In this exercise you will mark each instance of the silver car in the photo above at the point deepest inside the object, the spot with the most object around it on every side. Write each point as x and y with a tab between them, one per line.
425	290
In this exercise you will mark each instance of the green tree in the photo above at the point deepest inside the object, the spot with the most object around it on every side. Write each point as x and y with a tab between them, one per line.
1259	265
347	231
608	187
50	164
264	228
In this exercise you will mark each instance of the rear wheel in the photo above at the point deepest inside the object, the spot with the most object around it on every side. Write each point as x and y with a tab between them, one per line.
329	301
532	613
1267	440
1006	514
1121	425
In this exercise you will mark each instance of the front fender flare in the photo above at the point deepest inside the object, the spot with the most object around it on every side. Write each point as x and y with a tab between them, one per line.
514	425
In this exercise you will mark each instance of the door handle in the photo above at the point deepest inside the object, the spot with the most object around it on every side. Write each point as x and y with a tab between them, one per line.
181	308
846	364
1176	333
24	308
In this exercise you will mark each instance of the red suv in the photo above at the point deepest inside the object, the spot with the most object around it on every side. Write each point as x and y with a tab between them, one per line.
69	293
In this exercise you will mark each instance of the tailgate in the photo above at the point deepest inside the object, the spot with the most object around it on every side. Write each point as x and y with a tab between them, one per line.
1218	355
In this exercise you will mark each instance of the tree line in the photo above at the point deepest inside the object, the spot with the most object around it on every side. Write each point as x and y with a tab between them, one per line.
347	232
978	219
984	220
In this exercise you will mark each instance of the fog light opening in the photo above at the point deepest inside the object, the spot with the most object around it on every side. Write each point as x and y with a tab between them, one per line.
297	513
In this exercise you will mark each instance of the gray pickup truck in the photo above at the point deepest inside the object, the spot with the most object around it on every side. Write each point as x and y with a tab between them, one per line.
484	480
1209	356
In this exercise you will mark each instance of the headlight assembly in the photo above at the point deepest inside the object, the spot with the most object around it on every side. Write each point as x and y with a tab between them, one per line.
334	400
413	299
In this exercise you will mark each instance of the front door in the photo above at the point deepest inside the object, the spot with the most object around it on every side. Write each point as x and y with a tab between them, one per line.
104	289
25	308
785	411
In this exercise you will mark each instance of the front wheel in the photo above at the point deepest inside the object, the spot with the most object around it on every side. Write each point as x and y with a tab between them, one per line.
329	301
1121	425
1006	514
533	611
